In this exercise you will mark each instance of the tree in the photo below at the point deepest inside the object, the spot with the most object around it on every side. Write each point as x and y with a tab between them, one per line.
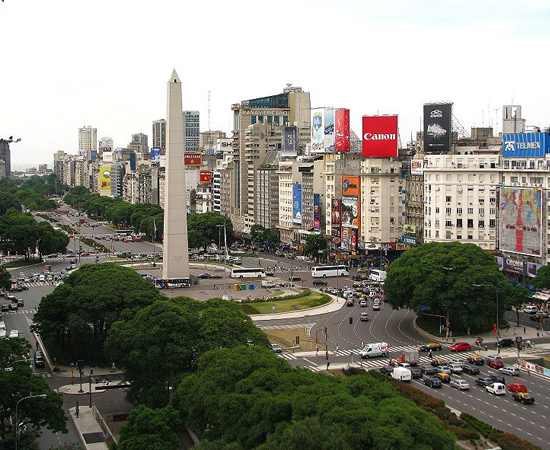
8	201
542	280
75	319
518	295
150	429
203	229
17	382
5	278
263	236
440	279
315	243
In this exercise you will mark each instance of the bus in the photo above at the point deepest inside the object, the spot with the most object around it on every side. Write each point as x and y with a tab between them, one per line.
329	271
377	275
172	283
246	272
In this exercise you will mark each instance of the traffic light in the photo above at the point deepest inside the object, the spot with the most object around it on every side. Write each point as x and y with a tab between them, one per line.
297	340
351	320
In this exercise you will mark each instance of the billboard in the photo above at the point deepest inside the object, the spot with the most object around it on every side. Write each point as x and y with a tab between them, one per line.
317	130
329	130
205	176
297	203
192	159
525	145
380	136
345	238
353	245
336	212
341	130
520	226
316	212
289	138
155	153
417	167
351	193
337	235
105	180
437	127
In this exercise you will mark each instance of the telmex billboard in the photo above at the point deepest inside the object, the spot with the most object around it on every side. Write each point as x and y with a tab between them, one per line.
437	127
525	145
289	144
341	119
379	136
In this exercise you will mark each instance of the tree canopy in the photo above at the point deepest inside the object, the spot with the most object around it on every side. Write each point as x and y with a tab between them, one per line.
315	243
203	229
542	280
76	317
454	280
5	278
264	236
176	333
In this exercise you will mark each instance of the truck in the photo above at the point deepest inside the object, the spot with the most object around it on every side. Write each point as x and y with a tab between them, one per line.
401	374
412	357
374	350
268	284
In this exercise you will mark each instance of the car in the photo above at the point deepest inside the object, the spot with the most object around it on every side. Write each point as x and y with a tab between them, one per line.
530	309
517	387
484	381
416	372
20	303
459	361
470	369
319	283
362	303
443	377
509	370
275	348
506	342
455	368
13	334
437	362
386	370
216	277
39	359
376	306
496	389
205	276
13	307
429	346
460	384
461	347
495	363
523	397
498	379
5	307
444	369
433	382
537	317
428	370
350	302
364	317
294	278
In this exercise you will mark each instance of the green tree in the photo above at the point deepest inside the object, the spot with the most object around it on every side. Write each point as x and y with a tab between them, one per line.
542	280
264	236
5	278
150	429
516	297
77	197
315	244
456	281
203	229
8	201
75	319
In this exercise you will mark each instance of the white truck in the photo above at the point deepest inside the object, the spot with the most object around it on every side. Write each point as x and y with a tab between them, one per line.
268	284
374	350
401	374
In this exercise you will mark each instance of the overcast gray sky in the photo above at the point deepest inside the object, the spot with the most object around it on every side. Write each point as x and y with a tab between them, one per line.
105	63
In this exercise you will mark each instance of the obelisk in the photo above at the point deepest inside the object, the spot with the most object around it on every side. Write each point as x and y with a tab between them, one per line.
175	258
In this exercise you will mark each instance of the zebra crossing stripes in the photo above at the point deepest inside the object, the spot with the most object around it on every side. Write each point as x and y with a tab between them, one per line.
20	311
40	283
287	356
286	327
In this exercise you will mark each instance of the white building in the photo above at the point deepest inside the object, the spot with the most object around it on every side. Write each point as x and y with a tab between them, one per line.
87	141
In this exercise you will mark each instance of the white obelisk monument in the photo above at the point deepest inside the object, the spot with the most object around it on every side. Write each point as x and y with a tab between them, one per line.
175	258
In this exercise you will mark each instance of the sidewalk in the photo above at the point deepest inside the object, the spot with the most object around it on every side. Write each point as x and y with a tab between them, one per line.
88	429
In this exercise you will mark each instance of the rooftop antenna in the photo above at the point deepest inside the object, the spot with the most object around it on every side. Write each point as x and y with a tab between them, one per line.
209	111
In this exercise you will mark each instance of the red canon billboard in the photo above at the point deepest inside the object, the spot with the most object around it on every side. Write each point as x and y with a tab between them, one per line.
379	136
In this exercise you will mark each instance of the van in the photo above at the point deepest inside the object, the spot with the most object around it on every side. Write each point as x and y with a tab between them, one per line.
531	309
402	374
374	350
268	284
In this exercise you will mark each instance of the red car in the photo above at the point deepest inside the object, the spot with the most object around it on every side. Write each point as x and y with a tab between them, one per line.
517	387
461	347
495	363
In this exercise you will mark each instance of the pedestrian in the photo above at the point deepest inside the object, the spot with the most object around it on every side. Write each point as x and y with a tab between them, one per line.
337	348
528	372
328	364
430	354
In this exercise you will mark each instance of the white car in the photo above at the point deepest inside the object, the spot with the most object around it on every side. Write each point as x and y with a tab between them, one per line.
461	385
13	334
496	389
508	370
376	306
455	368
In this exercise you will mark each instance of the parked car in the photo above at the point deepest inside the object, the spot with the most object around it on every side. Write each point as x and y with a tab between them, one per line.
470	369
39	359
523	397
429	346
517	387
460	384
275	348
14	334
509	370
496	389
319	283
432	382
484	381
205	276
531	309
461	347
506	342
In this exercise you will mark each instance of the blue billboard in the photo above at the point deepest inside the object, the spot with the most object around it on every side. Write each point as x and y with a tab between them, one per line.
525	145
297	203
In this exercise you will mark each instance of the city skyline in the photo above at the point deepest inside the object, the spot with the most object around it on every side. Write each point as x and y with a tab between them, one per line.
62	74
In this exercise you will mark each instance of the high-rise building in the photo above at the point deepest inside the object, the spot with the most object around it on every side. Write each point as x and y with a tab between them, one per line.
87	141
142	140
105	145
159	134
5	159
191	128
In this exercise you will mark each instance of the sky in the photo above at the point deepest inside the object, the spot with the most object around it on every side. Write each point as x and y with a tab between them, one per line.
105	63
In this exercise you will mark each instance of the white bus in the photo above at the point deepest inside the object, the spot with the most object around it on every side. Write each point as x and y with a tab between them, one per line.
329	271
246	272
377	275
172	283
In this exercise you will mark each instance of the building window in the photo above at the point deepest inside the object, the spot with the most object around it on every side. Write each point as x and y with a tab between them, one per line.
459	236
448	223
470	223
448	198
471	237
448	211
470	210
459	223
481	224
492	211
437	209
459	211
492	223
448	235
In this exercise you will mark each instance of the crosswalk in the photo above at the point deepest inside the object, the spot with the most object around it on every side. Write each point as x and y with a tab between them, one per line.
20	311
307	326
40	283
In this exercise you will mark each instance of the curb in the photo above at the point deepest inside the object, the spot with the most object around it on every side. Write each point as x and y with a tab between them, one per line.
282	315
77	428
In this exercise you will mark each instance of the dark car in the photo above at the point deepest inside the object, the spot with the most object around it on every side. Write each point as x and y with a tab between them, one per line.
499	379
470	369
523	397
478	360
386	370
428	370
430	346
205	276
216	277
20	303
319	283
5	307
432	382
484	381
538	317
416	372
294	278
39	359
506	342
13	306
350	303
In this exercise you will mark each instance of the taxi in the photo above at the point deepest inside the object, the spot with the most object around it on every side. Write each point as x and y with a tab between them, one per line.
478	360
430	346
523	397
443	377
437	362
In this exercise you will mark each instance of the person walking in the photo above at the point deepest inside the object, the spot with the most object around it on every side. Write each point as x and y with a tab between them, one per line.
337	348
430	354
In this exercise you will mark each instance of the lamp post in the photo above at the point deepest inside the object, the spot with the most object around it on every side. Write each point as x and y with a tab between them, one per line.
447	325
16	415
496	296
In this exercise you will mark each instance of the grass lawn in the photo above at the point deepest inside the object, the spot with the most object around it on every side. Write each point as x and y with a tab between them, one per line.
282	305
287	337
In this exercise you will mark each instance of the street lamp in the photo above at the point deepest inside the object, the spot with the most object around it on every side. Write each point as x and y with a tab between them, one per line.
496	296
16	414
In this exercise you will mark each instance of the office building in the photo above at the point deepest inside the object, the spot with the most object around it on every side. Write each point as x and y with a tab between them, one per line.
191	128
87	141
159	134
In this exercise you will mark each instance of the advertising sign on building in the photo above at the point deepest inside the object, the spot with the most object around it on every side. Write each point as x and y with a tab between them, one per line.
351	193
411	229
437	127
329	130
345	238
353	245
525	145
526	269
289	144
297	203
520	226
341	131
192	159
316	212
336	235
317	131
336	212
379	136
105	180
417	167
155	153
205	176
